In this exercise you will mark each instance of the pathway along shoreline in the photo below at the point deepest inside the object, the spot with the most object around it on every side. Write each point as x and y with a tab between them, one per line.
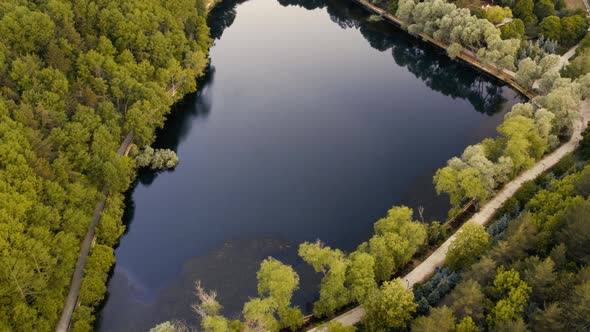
427	268
72	298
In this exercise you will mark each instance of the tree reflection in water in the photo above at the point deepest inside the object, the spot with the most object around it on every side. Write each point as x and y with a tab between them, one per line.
426	62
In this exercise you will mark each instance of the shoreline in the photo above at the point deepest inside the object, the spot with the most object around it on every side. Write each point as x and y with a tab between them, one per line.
465	55
72	302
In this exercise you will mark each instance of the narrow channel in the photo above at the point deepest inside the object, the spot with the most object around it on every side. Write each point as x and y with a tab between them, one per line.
310	124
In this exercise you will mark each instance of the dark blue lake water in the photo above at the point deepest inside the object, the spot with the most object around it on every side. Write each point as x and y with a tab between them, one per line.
311	123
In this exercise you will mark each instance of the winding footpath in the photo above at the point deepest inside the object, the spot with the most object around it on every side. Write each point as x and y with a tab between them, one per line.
427	268
437	259
72	298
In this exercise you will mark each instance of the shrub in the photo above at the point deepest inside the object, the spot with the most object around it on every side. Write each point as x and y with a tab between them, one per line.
157	159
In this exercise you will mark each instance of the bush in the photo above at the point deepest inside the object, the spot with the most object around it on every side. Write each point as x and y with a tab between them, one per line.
497	228
432	291
157	159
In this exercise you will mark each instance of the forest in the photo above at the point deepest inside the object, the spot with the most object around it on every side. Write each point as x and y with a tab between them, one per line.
79	76
76	78
528	270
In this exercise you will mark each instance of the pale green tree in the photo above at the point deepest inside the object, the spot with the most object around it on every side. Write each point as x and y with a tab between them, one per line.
545	83
259	315
404	10
399	221
454	50
164	327
527	73
523	144
360	275
475	157
390	307
545	121
277	282
390	251
563	100
332	264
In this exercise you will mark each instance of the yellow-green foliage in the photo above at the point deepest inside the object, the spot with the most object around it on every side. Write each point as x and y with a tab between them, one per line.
76	77
471	241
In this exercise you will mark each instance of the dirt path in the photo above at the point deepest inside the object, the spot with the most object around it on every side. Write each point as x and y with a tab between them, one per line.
437	259
72	298
564	59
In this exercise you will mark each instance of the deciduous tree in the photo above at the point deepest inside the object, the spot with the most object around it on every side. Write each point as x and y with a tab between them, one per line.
470	242
390	307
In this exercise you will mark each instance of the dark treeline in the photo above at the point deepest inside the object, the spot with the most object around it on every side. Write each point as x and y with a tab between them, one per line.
76	77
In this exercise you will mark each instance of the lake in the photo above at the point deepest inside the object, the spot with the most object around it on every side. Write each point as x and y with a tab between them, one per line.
310	124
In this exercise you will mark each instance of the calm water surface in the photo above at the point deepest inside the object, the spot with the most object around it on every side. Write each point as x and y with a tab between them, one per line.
310	124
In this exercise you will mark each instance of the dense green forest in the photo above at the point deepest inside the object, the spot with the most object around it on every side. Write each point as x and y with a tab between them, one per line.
530	271
76	78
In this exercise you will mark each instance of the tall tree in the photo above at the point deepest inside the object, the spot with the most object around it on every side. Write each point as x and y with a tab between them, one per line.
390	307
470	242
332	264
